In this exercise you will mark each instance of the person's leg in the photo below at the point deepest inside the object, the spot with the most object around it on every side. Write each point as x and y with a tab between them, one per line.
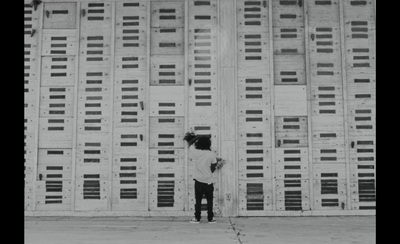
209	196
199	191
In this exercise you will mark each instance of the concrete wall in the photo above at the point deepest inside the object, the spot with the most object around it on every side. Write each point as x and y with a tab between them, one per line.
286	89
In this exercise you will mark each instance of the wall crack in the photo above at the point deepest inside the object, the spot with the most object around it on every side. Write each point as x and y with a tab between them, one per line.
237	233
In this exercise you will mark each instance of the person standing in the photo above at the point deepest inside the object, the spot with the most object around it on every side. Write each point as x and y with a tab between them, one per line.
205	163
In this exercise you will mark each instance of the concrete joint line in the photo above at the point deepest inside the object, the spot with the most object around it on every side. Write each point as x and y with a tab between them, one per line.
236	233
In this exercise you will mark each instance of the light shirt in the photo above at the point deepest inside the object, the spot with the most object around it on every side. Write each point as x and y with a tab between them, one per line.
202	160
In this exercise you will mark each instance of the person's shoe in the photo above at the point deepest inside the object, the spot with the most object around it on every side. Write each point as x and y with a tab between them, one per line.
194	221
212	221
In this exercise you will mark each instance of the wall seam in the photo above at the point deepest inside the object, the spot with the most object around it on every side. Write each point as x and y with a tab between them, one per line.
345	101
75	118
309	106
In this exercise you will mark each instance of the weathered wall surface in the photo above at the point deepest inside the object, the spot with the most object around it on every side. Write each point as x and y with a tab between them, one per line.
286	89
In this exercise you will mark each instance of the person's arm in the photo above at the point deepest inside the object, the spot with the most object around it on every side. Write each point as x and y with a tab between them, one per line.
214	165
193	140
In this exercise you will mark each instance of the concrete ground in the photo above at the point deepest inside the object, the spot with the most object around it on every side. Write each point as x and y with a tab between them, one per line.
177	230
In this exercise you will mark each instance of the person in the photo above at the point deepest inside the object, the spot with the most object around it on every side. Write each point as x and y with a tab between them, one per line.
205	163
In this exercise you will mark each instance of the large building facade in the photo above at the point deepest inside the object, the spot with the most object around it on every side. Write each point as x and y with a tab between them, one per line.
285	88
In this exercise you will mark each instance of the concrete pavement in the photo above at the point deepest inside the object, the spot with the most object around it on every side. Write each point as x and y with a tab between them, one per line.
177	230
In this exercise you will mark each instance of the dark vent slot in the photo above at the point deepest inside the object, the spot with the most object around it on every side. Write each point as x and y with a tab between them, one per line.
201	17
60	12
358	3
96	5
323	2
254	197
330	202
131	4
252	3
128	193
165	193
292	2
293	200
91	188
329	187
201	3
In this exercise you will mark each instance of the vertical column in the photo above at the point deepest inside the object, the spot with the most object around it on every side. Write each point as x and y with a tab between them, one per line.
31	98
291	163
94	119
130	136
203	83
227	105
290	118
166	153
59	40
254	106
359	43
327	115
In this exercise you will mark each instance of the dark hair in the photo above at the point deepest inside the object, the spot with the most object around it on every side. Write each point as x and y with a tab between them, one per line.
203	143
